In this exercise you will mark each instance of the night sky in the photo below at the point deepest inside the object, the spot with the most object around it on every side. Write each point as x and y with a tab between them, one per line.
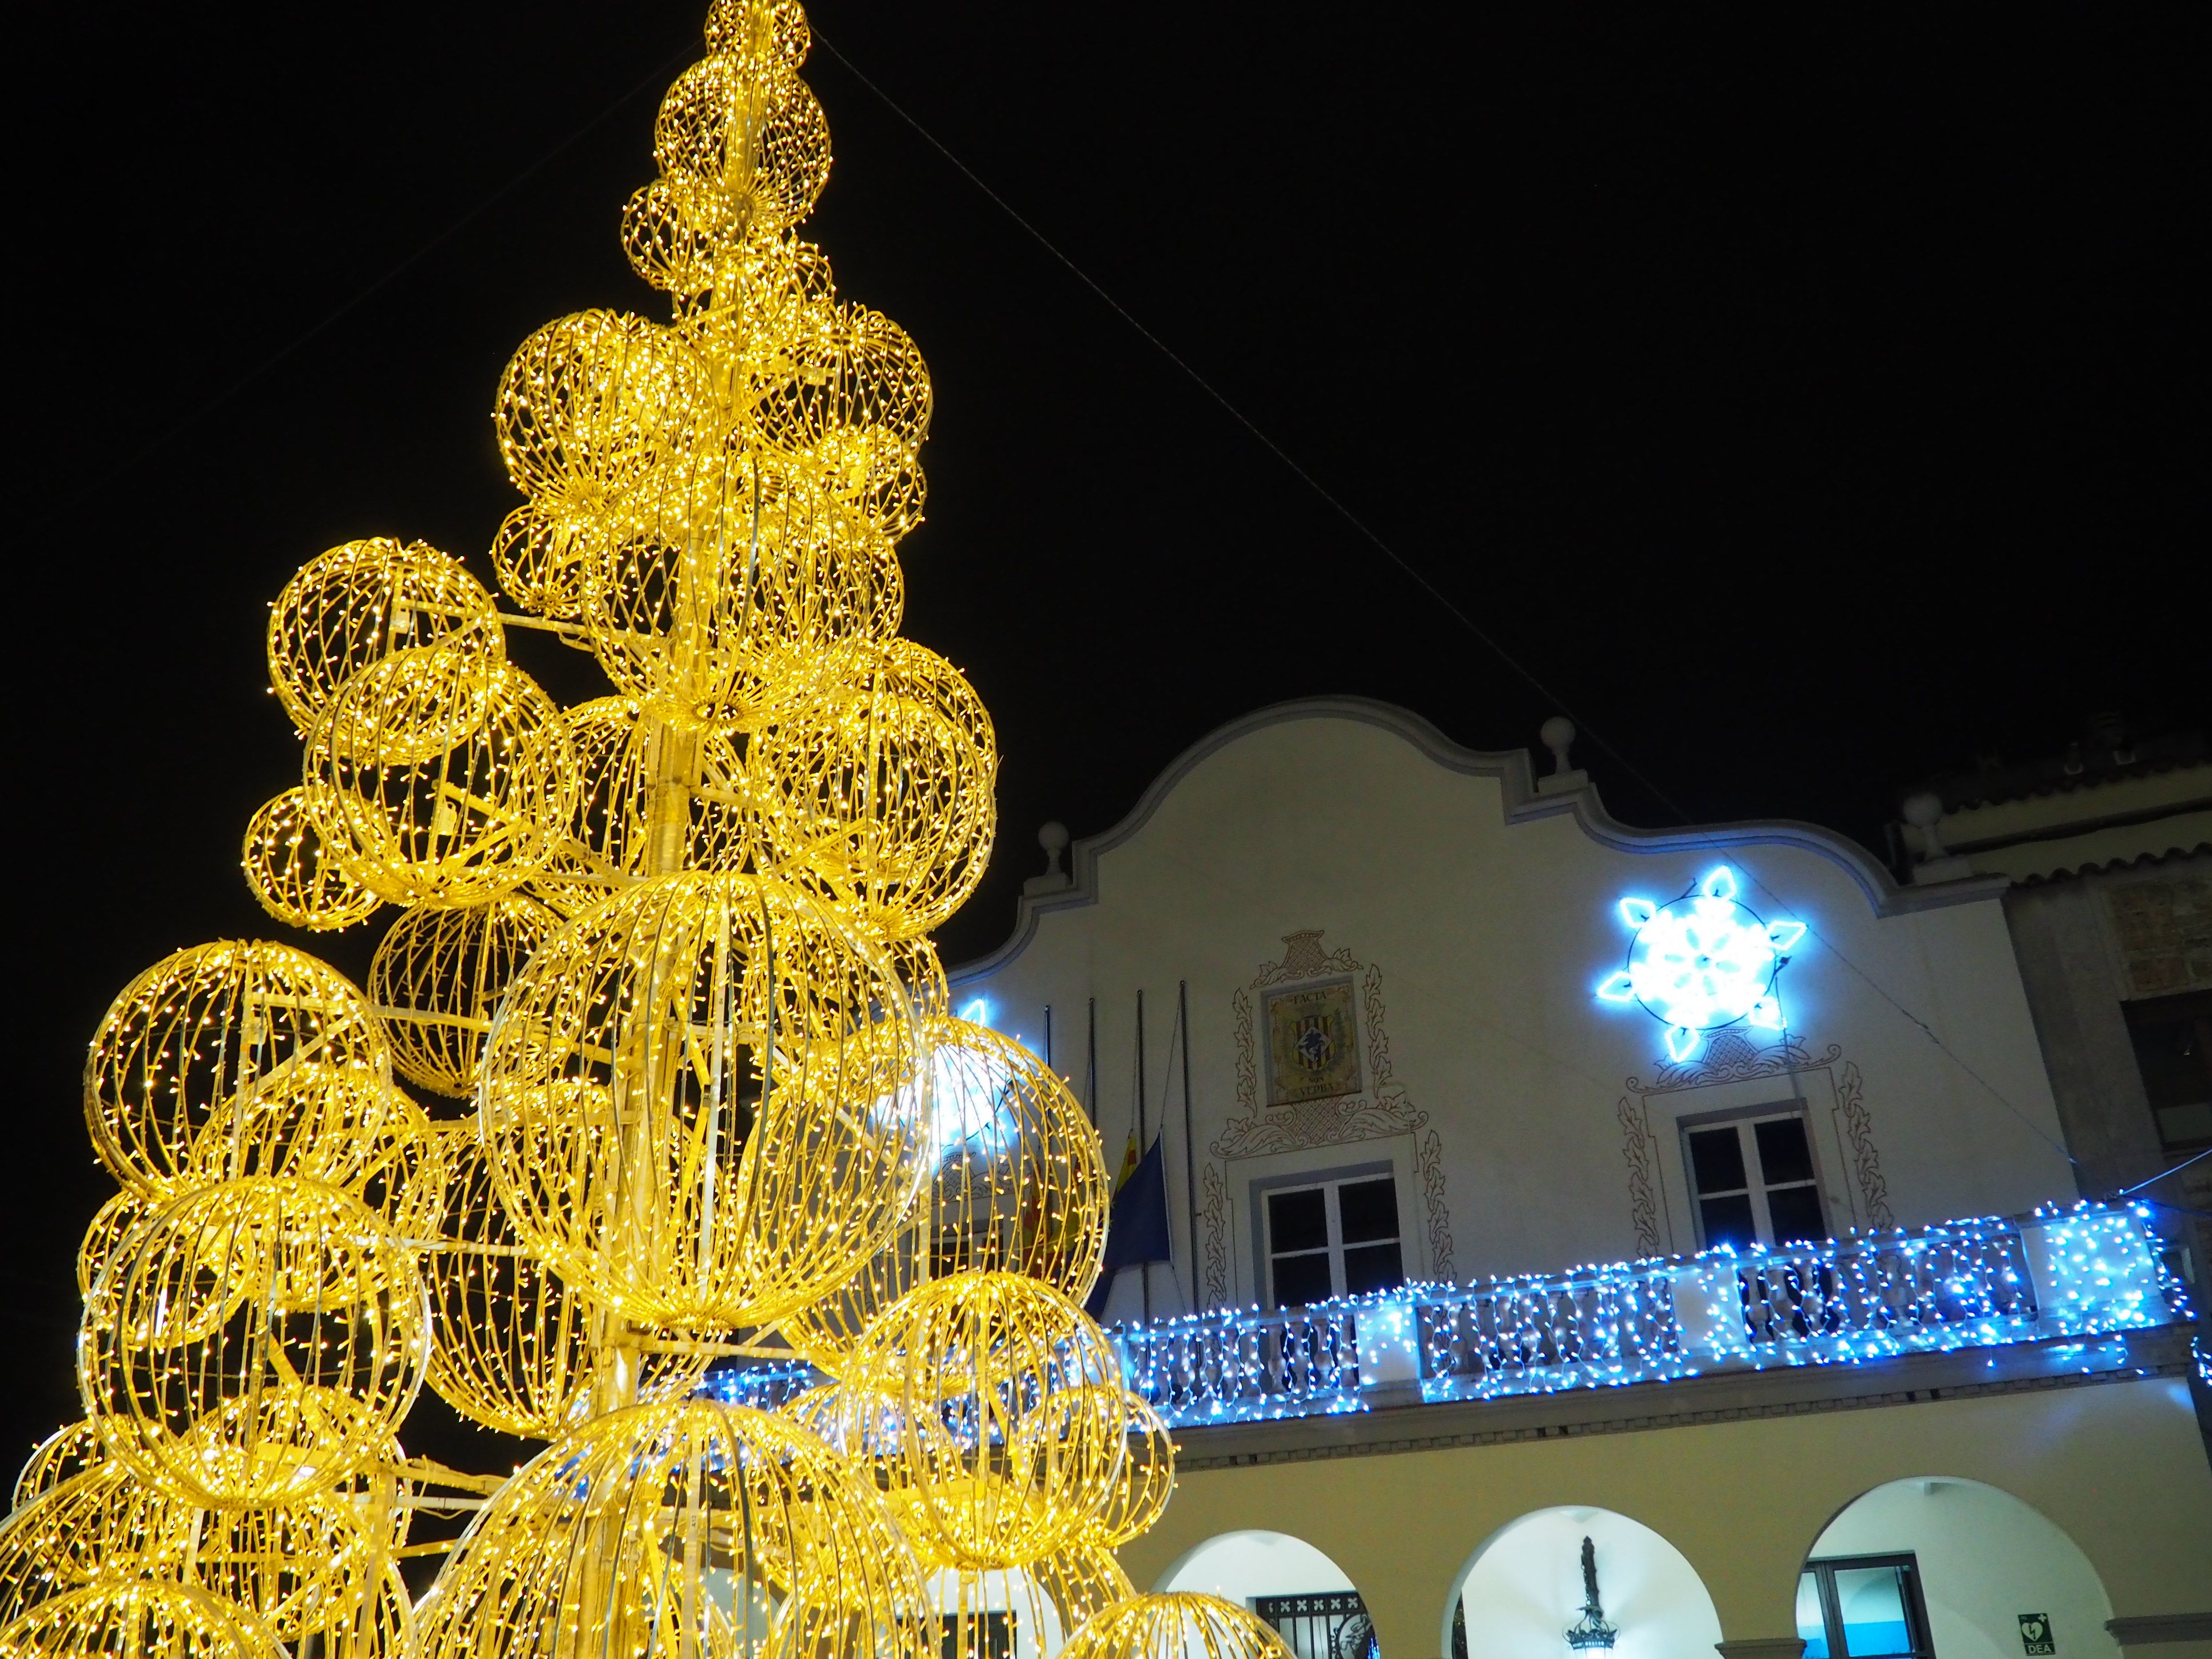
1802	400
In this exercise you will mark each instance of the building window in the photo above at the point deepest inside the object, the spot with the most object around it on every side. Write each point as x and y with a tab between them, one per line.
1751	1179
1863	1607
1333	1238
2173	1037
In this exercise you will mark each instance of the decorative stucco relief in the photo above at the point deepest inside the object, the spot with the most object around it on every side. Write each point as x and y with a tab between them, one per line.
1381	1109
1641	1151
1733	1057
1866	1161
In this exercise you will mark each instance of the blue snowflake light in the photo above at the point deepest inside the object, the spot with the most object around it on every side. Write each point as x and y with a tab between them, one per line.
1703	962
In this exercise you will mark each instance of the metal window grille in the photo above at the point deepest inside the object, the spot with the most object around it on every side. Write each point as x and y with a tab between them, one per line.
1333	1624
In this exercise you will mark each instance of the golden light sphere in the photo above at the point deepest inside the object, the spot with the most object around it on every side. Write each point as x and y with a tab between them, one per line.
649	798
1019	1186
513	1346
689	1527
145	1618
682	232
1176	1625
404	1182
303	1568
1008	1399
752	129
292	874
230	1058
67	1452
354	605
260	1339
113	1225
589	404
704	1103
1048	1598
768	293
1141	1495
105	1520
868	1430
735	576
544	556
915	960
436	978
760	31
859	387
434	779
313	1572
1046	1602
881	793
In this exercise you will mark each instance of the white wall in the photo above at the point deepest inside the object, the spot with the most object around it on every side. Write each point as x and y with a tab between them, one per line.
1525	1590
1239	1566
1490	914
1985	1557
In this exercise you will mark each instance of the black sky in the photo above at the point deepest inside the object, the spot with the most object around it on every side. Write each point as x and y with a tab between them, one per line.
1806	397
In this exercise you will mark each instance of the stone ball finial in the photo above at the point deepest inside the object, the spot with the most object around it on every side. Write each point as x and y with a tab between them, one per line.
1052	835
1558	735
1924	810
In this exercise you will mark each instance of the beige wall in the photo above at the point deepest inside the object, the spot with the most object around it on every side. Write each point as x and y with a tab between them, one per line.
1489	936
2118	1468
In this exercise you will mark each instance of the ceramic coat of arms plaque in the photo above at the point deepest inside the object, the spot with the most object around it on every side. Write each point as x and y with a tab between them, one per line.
1313	1043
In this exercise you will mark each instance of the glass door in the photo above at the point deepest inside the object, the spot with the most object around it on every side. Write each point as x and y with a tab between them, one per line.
1863	1607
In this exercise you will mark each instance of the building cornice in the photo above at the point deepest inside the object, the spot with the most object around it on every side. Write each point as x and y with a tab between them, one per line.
1522	802
1723	1397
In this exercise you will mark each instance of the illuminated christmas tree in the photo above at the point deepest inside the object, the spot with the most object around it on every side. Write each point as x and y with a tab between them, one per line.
659	962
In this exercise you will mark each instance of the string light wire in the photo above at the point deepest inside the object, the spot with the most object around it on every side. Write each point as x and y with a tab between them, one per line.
1410	571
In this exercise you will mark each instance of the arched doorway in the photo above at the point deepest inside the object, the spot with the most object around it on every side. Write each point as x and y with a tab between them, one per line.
1287	1582
1955	1567
1526	1588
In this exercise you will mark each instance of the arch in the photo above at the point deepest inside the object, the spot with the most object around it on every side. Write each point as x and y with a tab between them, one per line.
1985	1559
1244	1566
1523	1589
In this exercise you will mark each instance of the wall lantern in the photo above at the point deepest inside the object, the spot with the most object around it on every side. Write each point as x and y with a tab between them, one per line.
1702	962
1591	1631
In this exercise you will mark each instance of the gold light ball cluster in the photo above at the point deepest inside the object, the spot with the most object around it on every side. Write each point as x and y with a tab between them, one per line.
659	965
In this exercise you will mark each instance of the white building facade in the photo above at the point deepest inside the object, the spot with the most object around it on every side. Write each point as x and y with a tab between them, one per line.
1428	1038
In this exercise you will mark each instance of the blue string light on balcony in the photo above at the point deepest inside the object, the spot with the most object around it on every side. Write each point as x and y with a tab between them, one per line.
1702	962
2070	1279
1985	1283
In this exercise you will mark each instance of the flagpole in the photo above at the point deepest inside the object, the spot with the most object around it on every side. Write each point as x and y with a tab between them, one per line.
1091	1065
1189	1137
1144	1268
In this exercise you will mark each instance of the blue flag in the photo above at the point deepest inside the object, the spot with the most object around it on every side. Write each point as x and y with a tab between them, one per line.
1136	1225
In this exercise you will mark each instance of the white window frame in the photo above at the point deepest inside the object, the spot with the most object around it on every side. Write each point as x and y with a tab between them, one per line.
1742	1119
1812	1089
1327	1181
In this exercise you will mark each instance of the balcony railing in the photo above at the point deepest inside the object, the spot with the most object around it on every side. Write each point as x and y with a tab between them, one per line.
1985	1283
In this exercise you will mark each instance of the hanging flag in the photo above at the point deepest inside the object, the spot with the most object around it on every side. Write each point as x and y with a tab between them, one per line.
1137	1222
